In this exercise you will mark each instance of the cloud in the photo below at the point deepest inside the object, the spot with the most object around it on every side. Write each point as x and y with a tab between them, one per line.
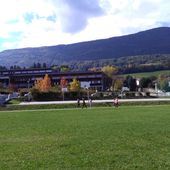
28	17
74	14
132	16
163	24
50	22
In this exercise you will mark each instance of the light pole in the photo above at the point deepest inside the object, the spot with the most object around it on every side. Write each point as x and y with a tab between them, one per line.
156	88
63	94
88	93
28	85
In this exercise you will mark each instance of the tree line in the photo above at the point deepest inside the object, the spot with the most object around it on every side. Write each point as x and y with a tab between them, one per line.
126	65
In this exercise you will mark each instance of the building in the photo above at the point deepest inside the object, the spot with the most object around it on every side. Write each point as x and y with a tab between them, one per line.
25	78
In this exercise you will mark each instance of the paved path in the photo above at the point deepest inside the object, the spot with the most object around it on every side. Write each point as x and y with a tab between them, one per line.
96	101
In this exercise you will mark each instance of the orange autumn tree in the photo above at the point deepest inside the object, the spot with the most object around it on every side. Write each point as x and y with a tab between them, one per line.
37	84
44	84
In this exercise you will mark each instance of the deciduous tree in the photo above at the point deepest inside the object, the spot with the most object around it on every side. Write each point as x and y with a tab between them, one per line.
38	84
118	84
109	70
75	85
44	84
130	82
163	83
63	82
64	68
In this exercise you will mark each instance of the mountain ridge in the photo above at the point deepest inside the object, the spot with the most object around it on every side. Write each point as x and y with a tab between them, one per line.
153	41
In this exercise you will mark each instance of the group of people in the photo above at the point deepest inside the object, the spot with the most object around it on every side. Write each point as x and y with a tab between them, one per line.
84	105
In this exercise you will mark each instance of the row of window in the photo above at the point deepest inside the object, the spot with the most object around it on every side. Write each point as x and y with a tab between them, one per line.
43	72
24	72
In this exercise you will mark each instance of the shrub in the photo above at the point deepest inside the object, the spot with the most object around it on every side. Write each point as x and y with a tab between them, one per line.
52	96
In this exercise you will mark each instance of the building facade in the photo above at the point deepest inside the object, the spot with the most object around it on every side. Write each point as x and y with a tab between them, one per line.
25	78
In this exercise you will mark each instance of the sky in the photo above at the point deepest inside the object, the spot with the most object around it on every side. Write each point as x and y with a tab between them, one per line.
35	23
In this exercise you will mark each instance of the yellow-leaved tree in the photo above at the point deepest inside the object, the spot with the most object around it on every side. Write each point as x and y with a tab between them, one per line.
44	84
110	70
75	85
118	84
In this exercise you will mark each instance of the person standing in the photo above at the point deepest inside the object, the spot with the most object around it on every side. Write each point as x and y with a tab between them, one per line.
90	102
78	102
84	103
116	102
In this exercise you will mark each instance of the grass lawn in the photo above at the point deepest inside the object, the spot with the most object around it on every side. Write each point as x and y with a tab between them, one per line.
130	137
149	74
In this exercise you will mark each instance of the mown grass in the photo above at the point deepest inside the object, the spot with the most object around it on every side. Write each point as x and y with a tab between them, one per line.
130	137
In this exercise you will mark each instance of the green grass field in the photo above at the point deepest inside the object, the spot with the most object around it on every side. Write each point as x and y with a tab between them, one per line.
130	137
149	74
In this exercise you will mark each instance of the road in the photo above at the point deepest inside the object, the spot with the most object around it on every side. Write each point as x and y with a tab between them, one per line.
97	101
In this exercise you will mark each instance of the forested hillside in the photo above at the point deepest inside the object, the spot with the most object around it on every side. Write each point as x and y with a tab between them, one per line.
149	47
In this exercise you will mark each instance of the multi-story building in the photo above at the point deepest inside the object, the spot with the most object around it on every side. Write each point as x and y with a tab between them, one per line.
25	78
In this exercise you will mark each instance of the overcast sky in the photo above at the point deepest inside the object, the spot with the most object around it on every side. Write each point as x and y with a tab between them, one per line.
33	23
